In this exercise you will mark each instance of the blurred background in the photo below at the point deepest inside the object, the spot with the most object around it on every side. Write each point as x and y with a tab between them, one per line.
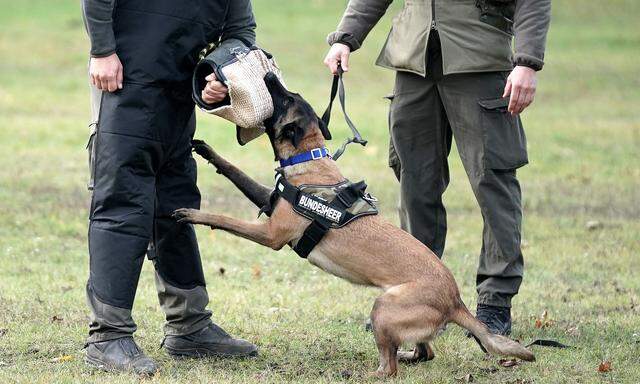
581	226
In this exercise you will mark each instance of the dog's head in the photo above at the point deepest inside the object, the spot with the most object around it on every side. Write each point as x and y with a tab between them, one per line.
294	127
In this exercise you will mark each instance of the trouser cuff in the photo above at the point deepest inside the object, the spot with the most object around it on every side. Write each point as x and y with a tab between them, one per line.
185	309
106	336
495	299
176	330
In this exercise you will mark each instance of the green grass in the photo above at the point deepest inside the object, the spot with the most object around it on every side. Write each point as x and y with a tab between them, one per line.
584	135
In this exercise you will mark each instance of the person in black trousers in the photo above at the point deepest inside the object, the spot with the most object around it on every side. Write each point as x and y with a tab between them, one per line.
143	54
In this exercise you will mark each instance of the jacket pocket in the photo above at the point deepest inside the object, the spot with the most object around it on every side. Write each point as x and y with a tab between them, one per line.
498	13
505	143
406	45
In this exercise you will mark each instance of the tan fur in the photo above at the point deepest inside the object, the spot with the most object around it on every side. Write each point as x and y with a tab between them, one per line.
420	294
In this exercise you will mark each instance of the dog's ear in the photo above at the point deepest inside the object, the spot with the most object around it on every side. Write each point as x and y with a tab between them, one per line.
324	129
293	132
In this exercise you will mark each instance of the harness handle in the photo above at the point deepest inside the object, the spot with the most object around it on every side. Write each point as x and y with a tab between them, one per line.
337	88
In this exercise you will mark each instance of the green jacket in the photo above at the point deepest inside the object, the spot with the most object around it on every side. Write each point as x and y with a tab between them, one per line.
476	35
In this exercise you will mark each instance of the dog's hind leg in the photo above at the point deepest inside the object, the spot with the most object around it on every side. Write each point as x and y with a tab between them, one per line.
401	315
254	191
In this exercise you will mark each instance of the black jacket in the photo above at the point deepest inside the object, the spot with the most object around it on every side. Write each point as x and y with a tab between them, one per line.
158	41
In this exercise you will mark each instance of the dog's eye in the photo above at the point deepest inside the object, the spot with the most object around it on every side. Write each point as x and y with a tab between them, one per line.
288	101
289	130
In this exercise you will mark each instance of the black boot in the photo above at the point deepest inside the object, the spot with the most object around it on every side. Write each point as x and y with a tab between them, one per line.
121	354
209	341
497	319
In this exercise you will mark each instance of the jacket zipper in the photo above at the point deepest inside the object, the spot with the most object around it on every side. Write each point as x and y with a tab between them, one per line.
433	14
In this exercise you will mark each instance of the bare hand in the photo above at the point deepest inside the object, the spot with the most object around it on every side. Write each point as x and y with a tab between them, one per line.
214	91
521	85
106	73
338	53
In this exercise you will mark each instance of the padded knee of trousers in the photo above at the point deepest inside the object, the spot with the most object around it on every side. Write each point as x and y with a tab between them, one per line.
115	264
176	256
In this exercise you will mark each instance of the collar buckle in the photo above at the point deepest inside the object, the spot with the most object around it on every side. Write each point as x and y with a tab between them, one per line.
316	154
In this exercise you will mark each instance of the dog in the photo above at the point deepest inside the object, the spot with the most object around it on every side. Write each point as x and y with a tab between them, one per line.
420	295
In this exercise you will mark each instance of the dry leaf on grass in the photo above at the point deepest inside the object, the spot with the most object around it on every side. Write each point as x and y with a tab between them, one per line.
57	319
62	359
256	271
468	378
543	321
574	331
604	367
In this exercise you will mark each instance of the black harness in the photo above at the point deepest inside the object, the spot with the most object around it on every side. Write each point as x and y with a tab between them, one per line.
323	213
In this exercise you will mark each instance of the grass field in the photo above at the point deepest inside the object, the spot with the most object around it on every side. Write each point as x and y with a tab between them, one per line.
584	138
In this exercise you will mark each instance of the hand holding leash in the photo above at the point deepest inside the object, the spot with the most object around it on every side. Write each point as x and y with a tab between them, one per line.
338	56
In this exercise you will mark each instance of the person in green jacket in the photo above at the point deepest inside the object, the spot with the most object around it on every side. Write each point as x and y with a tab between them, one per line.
459	75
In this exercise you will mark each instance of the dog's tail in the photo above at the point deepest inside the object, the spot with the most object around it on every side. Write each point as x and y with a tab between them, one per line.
494	344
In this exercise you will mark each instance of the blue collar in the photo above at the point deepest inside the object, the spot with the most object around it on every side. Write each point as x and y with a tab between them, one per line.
314	154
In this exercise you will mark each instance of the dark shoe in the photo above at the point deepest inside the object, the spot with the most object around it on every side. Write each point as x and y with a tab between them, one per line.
209	341
497	319
119	355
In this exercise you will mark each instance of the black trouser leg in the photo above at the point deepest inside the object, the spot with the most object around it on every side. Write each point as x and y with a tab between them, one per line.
143	170
179	276
119	229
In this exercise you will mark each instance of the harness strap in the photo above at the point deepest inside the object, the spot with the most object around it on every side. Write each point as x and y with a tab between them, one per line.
337	87
286	190
349	195
311	237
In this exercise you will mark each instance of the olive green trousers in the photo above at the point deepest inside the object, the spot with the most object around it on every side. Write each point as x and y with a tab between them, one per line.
425	114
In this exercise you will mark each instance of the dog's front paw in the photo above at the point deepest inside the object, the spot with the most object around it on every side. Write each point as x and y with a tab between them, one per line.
186	215
203	149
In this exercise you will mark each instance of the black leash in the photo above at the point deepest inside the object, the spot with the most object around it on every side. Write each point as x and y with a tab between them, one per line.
549	343
338	88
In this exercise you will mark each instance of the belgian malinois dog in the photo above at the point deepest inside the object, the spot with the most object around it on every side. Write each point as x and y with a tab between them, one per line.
420	295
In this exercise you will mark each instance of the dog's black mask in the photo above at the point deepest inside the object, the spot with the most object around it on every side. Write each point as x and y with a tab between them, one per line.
292	115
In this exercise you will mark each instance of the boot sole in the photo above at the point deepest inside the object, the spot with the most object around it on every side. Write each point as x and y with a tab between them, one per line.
99	365
195	352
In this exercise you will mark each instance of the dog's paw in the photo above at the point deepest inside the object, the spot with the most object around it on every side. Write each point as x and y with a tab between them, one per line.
203	149
185	215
